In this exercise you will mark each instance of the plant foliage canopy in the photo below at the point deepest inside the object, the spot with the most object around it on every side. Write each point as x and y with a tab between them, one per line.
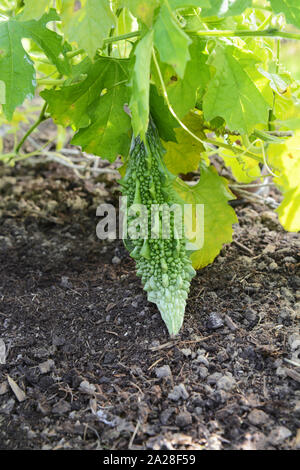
208	72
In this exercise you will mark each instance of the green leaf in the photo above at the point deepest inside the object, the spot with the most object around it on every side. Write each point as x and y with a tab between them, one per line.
95	107
183	93
126	23
88	25
290	8
163	119
233	96
212	191
171	41
2	92
285	159
139	102
16	68
226	7
35	9
175	4
141	9
184	155
70	105
50	42
278	82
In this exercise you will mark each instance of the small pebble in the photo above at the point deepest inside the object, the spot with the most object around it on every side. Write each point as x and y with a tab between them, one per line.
281	371
186	352
222	356
31	434
66	283
163	371
293	337
202	360
203	372
226	383
46	366
179	391
86	387
250	314
3	388
183	419
61	407
278	435
165	416
295	344
213	378
214	321
257	417
7	407
273	266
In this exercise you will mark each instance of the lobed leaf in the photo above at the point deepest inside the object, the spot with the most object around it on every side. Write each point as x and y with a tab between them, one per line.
95	107
232	95
212	191
244	169
16	68
183	92
285	158
88	25
171	41
163	119
184	155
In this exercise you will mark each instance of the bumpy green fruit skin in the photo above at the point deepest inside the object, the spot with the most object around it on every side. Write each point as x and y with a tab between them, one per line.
163	264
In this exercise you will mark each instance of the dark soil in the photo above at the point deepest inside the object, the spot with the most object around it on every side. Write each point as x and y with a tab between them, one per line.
92	358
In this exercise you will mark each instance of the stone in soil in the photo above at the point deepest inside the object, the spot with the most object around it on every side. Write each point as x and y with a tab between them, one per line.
258	417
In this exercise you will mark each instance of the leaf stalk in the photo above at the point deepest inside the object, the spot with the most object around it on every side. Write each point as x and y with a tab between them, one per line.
42	117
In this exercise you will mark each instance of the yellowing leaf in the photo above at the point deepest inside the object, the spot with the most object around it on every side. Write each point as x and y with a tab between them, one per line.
211	191
184	155
33	9
286	160
289	210
244	169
